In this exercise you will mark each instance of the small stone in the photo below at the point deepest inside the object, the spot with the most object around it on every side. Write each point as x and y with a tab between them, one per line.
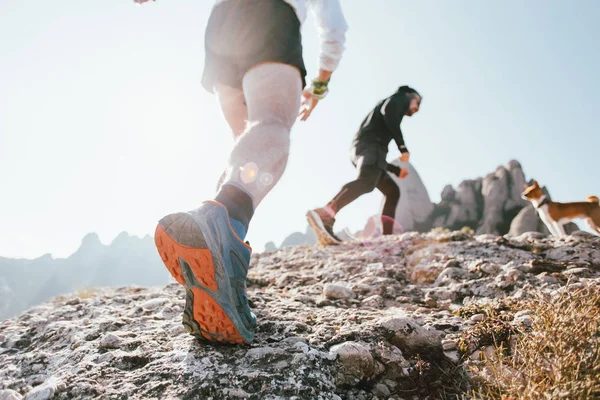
450	274
110	341
355	362
547	278
522	313
375	301
381	390
339	292
8	394
390	383
448	344
514	275
11	341
236	393
490	269
263	352
390	354
323	303
584	272
477	317
452	356
106	358
409	335
42	392
370	254
374	267
154	304
74	301
302	298
363	288
379	368
490	353
301	347
431	302
476	356
582	235
577	285
524	320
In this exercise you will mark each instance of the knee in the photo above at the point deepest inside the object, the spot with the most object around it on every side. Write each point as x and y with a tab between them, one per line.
367	185
265	136
269	115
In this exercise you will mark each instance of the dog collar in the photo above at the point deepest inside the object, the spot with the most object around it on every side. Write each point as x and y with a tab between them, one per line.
545	201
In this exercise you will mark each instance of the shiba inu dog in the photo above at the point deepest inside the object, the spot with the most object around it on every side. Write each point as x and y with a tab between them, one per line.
555	215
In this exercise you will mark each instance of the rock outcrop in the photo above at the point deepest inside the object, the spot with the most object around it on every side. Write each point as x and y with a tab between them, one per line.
414	209
363	320
490	205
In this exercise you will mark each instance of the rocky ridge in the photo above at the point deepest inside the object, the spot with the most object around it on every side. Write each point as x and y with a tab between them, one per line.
364	320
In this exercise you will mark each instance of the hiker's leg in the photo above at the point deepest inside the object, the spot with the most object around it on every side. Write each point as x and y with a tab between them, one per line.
391	192
233	106
368	177
272	92
322	219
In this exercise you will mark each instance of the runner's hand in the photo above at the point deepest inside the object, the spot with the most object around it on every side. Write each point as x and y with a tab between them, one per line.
403	173
308	104
405	157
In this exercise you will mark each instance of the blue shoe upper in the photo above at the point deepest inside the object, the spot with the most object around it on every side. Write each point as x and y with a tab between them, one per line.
231	258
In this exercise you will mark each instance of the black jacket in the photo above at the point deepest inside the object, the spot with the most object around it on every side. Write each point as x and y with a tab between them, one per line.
383	124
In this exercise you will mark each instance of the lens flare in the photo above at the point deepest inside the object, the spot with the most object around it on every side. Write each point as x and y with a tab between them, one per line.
266	179
248	172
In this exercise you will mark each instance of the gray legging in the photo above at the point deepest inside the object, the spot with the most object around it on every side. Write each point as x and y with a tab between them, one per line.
272	93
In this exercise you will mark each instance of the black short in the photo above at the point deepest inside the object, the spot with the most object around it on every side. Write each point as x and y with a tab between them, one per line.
369	157
241	34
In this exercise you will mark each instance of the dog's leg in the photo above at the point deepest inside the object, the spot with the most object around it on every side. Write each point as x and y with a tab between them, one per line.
593	227
550	227
561	229
557	229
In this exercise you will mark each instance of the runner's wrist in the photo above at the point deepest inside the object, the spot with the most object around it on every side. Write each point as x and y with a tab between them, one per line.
318	88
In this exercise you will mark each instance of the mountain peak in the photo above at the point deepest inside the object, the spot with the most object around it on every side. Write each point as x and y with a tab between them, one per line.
91	240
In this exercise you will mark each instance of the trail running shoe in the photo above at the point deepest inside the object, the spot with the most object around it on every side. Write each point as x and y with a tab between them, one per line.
202	252
322	225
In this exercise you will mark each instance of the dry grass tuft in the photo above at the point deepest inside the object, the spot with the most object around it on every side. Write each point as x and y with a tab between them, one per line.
557	358
85	293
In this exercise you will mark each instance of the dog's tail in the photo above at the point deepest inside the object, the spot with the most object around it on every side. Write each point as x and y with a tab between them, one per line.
593	199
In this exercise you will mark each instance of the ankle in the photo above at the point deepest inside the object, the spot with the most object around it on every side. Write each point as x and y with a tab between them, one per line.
330	209
238	204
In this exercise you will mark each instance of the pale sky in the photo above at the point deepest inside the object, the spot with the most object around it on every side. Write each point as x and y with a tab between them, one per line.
104	126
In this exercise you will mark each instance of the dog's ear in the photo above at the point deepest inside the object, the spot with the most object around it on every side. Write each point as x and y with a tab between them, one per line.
535	183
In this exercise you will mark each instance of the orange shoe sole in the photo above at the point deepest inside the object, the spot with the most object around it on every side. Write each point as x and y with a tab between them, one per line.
202	315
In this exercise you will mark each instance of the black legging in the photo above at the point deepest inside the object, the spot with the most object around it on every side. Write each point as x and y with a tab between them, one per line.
369	178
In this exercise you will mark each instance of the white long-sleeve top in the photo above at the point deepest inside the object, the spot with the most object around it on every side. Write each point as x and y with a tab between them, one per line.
331	27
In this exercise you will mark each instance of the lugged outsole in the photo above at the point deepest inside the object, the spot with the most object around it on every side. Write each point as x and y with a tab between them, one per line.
200	260
323	237
202	316
209	320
